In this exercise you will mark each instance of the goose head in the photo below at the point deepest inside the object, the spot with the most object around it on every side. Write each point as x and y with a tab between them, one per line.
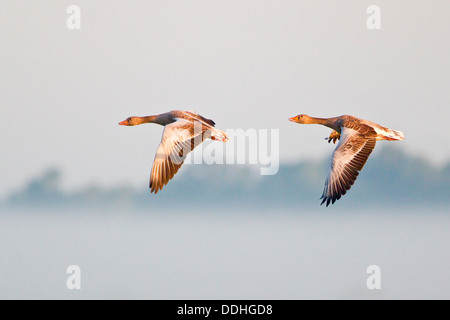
131	121
302	118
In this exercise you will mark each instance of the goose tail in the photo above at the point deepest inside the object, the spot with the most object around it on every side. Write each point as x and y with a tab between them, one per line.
395	135
217	134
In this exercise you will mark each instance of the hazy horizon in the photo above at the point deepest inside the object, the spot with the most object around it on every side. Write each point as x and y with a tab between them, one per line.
394	177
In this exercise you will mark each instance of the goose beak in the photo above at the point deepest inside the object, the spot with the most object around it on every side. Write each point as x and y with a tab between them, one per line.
123	123
293	119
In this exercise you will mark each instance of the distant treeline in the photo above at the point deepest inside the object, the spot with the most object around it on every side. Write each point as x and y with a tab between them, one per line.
390	177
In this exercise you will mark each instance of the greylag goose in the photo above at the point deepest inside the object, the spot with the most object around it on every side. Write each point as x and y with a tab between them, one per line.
357	138
184	130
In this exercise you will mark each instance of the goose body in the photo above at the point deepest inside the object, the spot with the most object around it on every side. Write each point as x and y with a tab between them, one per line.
357	139
184	130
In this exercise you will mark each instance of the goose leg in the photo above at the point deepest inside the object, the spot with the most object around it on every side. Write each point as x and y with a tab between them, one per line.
333	137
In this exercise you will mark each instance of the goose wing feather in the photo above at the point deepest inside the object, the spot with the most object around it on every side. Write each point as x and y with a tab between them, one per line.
178	139
349	158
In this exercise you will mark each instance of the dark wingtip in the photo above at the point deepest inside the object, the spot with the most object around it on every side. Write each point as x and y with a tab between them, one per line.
153	189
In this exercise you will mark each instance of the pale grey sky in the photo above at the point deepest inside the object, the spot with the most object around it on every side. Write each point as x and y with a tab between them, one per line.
245	64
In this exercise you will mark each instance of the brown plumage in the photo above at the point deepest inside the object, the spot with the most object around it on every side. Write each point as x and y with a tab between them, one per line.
184	130
357	139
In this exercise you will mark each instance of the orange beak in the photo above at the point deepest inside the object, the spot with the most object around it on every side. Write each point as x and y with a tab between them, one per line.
123	123
293	119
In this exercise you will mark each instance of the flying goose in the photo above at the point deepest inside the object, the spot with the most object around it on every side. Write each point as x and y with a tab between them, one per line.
357	139
184	130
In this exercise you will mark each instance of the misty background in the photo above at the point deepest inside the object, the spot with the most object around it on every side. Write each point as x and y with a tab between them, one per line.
74	184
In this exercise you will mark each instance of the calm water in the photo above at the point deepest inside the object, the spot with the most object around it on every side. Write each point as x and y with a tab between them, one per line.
225	255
